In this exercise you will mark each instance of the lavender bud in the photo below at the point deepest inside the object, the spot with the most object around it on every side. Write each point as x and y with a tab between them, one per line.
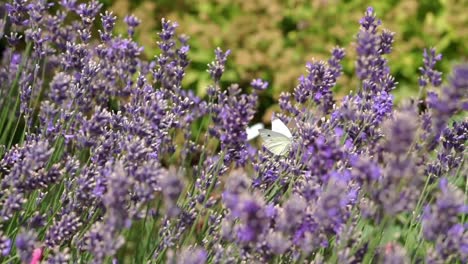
216	68
5	245
25	244
59	256
439	218
132	22
428	71
259	84
400	132
191	255
63	230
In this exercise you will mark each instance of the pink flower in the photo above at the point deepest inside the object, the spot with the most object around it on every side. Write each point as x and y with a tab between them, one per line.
36	256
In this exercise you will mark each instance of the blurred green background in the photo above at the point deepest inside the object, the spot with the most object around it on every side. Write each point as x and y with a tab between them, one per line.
273	39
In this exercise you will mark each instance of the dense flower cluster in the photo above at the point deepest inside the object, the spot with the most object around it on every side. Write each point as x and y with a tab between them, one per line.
106	157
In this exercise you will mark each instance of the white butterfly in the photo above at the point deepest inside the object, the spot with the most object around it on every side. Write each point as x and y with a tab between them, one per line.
252	132
278	140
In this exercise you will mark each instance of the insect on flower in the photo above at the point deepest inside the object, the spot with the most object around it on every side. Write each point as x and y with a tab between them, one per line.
278	140
253	131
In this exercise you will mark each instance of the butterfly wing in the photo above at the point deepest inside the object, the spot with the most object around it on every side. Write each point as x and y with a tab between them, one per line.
252	132
278	126
275	142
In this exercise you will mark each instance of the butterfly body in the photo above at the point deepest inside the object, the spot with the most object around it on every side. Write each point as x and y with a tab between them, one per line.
278	140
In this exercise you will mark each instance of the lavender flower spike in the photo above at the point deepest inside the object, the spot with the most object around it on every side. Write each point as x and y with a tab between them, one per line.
428	71
5	245
216	68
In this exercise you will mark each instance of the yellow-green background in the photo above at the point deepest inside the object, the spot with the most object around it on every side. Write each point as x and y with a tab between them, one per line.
273	39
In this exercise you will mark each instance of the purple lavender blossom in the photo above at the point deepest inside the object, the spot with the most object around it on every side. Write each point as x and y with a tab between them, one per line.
440	224
386	42
59	256
334	62
68	4
63	230
132	22
14	38
37	10
428	71
11	202
248	208
320	153
37	220
101	241
331	212
454	138
443	215
88	12
259	84
452	99
5	244
400	132
370	64
232	116
17	12
25	244
450	156
216	68
361	114
365	170
171	63
172	186
236	184
321	78
192	256
369	21
253	221
60	87
285	103
108	23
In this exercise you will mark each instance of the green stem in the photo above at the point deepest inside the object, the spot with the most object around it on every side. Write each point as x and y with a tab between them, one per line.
376	238
7	114
466	195
29	105
208	192
158	205
417	209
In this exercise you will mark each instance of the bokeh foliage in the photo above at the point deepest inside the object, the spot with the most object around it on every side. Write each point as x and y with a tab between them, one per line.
273	39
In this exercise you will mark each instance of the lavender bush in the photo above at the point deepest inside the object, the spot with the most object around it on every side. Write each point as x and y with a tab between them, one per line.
106	158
